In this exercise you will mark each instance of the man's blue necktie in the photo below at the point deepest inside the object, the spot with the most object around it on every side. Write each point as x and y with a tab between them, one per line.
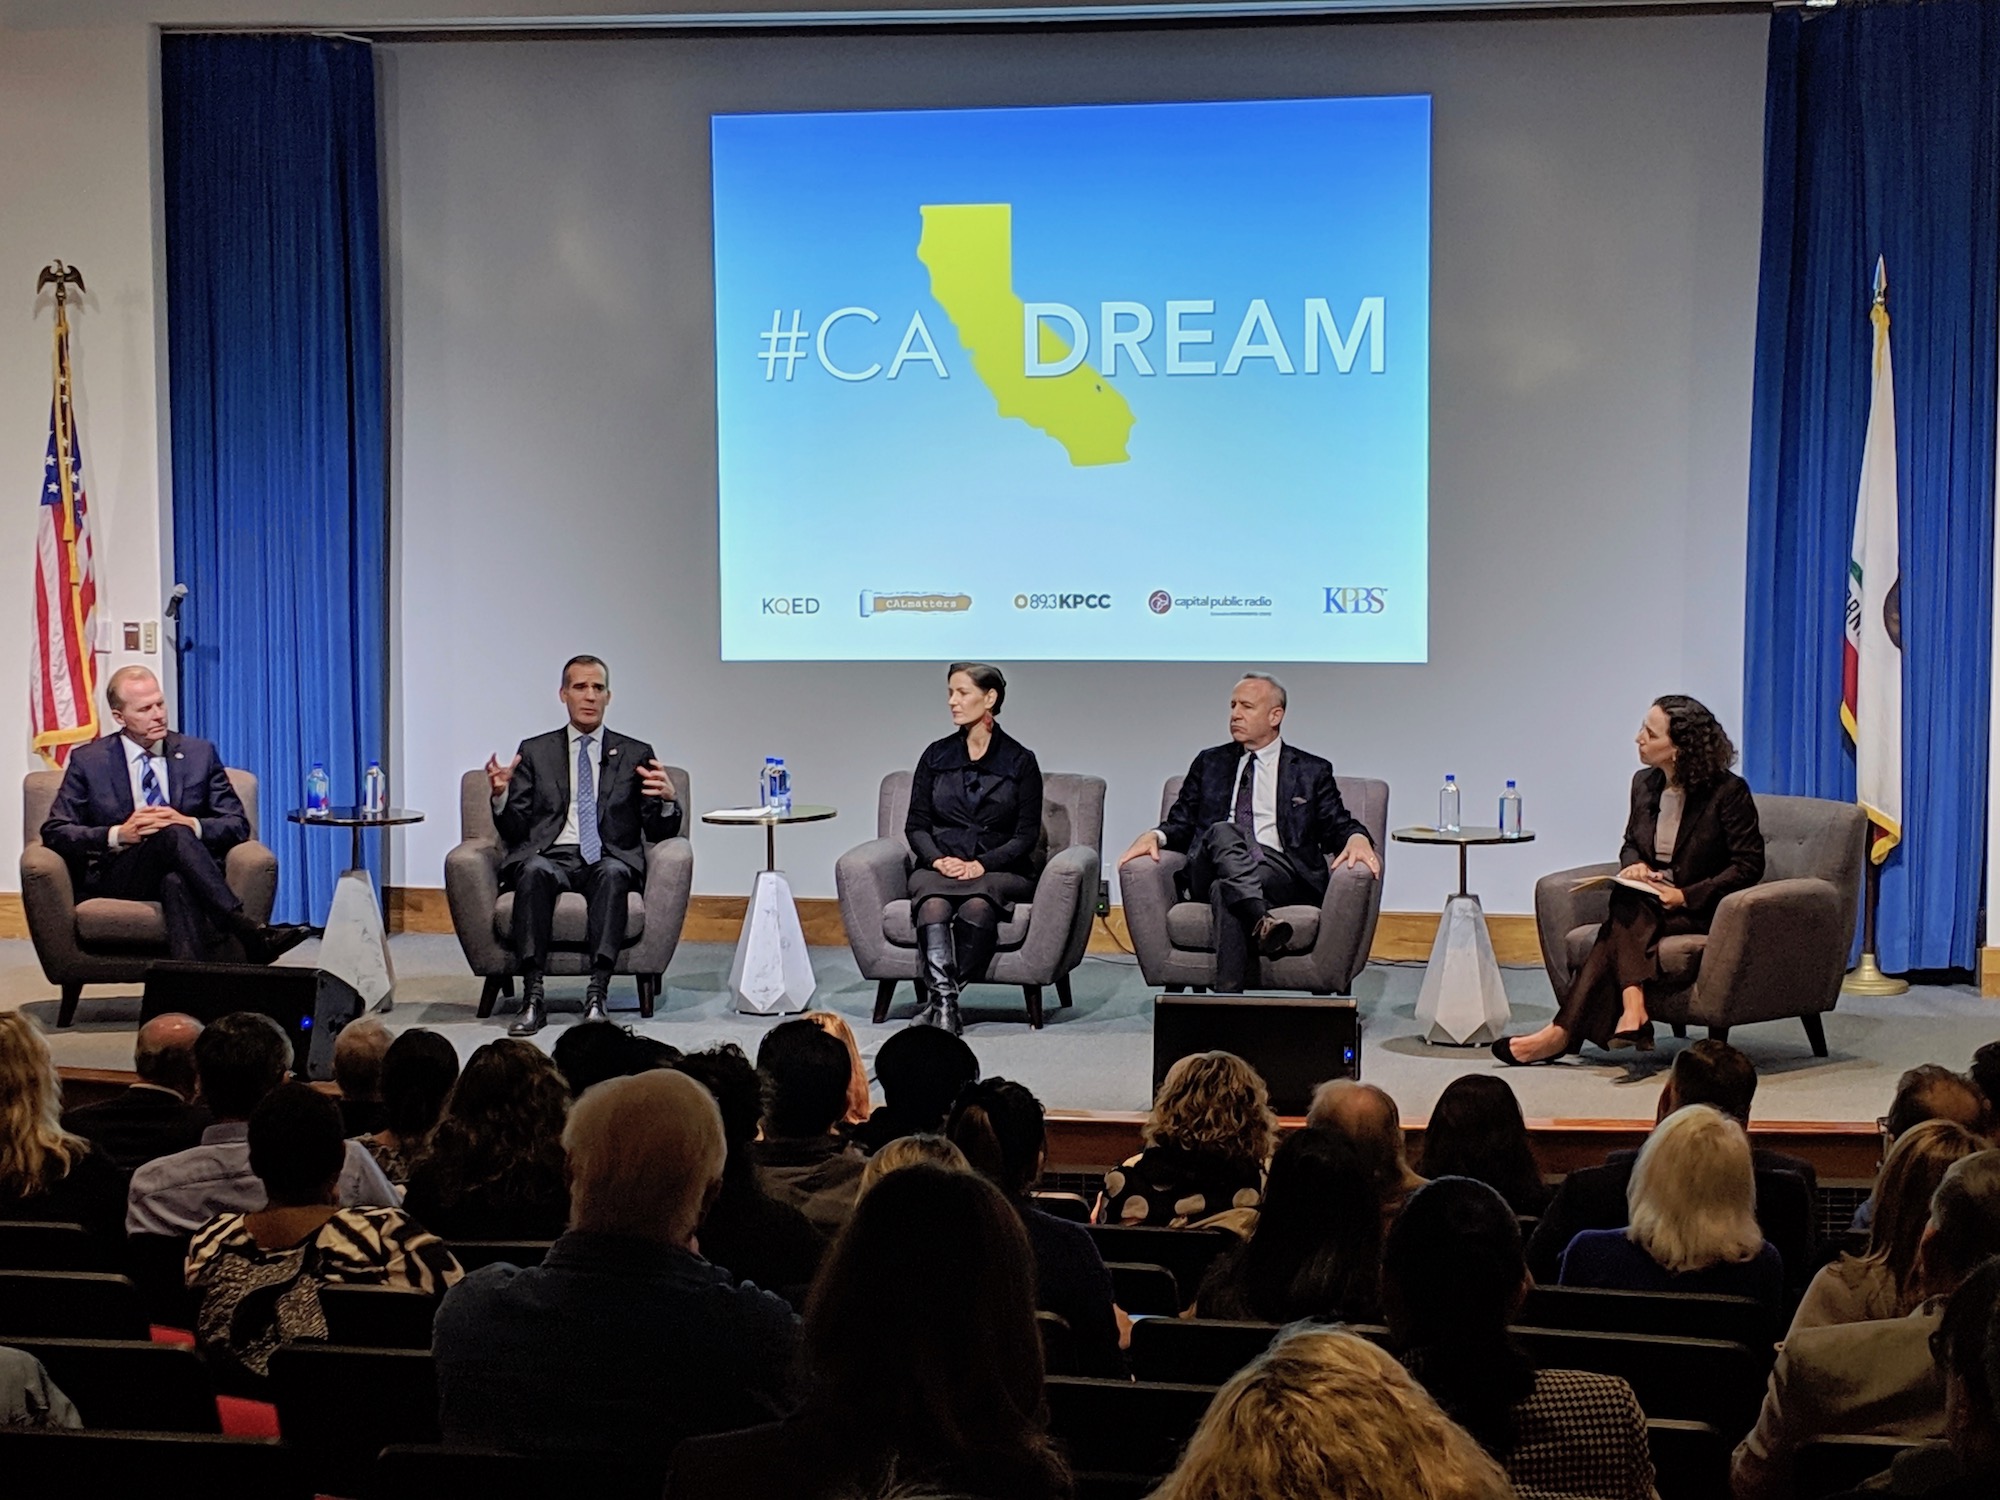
587	841
150	784
1246	805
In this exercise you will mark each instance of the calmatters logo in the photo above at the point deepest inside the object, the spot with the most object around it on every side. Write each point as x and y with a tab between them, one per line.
1357	601
873	603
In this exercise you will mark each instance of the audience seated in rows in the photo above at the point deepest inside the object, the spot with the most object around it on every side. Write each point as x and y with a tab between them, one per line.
493	1169
1985	1076
239	1060
1708	1072
912	1151
921	1069
1693	1208
1453	1279
46	1173
1316	1249
417	1074
258	1274
803	1159
28	1398
925	1362
358	1053
746	1231
1368	1117
1930	1091
1877	1376
1880	1284
623	1341
858	1104
999	1126
1323	1413
156	1116
1476	1130
1208	1141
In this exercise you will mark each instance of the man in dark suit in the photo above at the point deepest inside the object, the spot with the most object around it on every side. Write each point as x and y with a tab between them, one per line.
146	815
1262	825
575	808
1709	1072
156	1116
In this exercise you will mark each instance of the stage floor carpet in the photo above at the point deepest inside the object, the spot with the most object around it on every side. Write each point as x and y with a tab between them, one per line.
1098	1055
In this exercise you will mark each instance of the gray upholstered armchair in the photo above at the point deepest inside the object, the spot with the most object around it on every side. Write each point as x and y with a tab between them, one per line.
1038	945
1776	950
102	941
1175	938
484	918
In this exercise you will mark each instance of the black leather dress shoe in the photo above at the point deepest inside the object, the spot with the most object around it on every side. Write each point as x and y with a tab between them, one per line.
273	940
593	1005
1640	1036
534	1013
1273	937
1503	1050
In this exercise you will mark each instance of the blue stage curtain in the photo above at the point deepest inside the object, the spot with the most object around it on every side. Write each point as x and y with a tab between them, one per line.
1882	138
275	339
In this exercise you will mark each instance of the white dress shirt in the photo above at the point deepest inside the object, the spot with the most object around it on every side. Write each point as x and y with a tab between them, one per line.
136	756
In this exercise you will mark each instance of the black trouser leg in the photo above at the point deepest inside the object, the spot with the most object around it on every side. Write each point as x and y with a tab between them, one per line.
1626	953
173	866
606	886
1241	888
538	880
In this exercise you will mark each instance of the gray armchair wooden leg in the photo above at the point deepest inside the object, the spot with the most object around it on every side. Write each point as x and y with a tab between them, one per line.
66	1012
1680	1028
1034	994
649	991
1718	1033
1062	991
490	992
1815	1033
885	992
1176	989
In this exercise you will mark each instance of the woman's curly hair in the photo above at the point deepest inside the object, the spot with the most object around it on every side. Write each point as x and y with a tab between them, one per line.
1705	750
1214	1101
502	1128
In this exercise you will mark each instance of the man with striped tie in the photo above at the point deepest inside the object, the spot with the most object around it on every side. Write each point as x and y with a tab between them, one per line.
146	815
575	808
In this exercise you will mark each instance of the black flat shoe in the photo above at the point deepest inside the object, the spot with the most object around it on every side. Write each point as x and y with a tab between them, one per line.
1503	1051
1640	1037
1274	937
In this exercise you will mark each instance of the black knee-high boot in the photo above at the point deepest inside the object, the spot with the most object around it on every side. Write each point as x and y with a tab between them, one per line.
940	978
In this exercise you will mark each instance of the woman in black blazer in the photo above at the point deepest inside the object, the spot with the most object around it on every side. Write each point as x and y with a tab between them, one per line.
976	825
1693	837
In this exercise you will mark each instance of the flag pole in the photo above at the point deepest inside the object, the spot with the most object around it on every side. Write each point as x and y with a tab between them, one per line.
1867	977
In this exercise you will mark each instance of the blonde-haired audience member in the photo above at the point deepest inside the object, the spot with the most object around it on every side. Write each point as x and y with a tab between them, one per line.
1328	1415
1693	1202
835	1026
47	1174
1881	1284
1208	1140
911	1151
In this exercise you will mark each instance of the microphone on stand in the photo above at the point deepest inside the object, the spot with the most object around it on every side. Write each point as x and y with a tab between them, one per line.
173	612
174	599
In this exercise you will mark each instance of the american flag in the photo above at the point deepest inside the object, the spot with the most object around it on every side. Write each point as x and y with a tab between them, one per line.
63	685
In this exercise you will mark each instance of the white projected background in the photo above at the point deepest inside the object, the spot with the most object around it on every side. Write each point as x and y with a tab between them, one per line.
1594	210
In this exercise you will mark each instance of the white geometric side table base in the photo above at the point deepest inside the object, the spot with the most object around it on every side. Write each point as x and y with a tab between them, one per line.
772	972
356	946
1463	1003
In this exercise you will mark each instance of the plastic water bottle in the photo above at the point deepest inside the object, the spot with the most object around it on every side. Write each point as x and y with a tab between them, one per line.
374	789
319	791
777	785
1510	813
1448	806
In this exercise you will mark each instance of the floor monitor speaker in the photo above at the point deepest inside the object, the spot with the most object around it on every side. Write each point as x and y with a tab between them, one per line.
1296	1042
310	1004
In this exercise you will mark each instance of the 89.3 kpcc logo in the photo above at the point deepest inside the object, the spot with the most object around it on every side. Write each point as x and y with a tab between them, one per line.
1062	601
1357	601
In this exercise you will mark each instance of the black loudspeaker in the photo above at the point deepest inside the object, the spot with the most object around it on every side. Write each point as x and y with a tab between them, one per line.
310	1004
1296	1041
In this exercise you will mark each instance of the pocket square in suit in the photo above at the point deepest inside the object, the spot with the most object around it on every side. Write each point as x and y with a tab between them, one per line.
1298	801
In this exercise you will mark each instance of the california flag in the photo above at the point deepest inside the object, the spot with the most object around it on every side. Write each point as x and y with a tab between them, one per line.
1871	700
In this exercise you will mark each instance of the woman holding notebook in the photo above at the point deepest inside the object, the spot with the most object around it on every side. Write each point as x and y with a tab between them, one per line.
1691	839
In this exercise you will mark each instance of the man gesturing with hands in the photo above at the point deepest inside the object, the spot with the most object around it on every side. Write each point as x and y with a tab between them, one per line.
575	808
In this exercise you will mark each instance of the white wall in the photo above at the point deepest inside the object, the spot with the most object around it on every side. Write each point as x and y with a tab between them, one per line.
1596	212
79	128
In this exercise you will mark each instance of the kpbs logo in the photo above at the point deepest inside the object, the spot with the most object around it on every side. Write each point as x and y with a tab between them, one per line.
1357	601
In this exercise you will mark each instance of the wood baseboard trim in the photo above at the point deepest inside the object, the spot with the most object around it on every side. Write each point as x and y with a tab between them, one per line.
13	915
1400	936
1989	973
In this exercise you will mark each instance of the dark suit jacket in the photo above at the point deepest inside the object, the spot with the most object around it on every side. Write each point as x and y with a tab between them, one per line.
96	796
1313	823
1719	848
537	805
999	824
1594	1198
139	1125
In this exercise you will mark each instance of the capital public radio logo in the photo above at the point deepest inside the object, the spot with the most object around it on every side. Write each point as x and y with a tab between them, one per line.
1159	601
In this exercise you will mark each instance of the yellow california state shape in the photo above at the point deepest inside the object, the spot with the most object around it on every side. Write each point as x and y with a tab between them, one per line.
969	251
